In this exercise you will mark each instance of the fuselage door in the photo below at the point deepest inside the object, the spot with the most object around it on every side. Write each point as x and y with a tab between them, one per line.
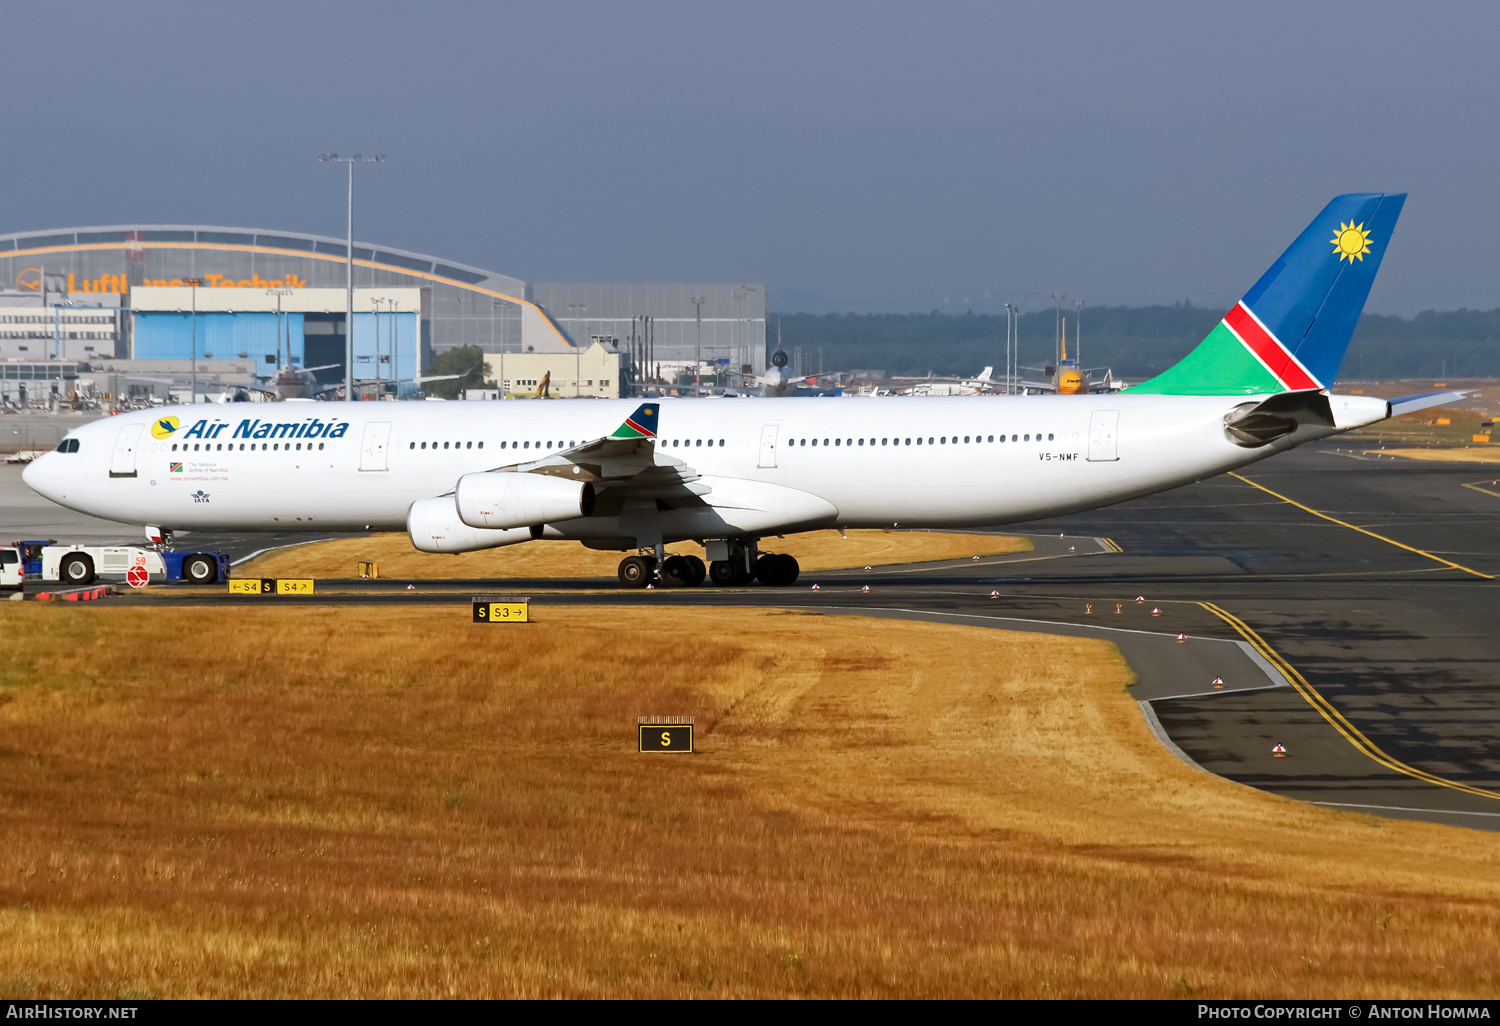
372	451
122	464
1104	425
767	446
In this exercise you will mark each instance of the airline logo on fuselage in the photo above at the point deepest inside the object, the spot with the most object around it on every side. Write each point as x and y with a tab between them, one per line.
252	427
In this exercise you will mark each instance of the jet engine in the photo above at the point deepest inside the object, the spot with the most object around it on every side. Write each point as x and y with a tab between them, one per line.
433	526
500	501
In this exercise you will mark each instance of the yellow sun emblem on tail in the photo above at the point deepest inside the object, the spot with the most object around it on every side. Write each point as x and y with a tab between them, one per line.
1351	242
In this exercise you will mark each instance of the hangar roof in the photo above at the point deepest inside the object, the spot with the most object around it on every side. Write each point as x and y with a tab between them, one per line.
253	239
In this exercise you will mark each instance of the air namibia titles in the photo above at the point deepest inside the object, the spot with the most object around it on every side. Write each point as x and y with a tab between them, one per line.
311	428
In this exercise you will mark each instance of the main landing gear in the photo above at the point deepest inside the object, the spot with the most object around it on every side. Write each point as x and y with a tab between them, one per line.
676	571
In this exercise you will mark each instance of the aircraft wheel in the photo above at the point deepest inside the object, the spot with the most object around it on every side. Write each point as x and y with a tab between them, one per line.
636	571
676	572
742	574
76	569
789	570
723	573
200	570
699	571
768	570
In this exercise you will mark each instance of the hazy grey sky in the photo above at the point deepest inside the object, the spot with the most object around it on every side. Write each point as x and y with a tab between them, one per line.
862	156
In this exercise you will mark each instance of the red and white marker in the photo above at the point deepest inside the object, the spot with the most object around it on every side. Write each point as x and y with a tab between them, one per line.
1279	751
137	577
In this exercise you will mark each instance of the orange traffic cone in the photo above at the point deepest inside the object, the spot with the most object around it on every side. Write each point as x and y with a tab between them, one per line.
1088	608
1117	608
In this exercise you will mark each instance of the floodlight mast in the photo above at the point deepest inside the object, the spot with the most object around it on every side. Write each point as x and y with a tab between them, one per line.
334	158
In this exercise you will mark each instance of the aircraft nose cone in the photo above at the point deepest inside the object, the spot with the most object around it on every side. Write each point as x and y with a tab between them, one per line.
40	476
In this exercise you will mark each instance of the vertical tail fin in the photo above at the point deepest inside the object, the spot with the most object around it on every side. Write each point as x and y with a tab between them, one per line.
1291	330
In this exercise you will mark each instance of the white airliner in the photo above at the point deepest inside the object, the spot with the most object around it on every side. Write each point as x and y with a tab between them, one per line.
632	476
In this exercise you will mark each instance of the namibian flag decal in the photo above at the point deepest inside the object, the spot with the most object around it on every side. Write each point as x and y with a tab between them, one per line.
640	424
176	468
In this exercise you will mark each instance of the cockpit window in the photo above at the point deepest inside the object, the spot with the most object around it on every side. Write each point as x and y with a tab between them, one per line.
68	445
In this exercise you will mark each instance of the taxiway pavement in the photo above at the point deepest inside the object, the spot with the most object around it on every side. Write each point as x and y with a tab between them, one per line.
1382	614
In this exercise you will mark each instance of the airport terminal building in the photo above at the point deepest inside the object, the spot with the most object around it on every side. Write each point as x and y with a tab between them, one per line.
125	293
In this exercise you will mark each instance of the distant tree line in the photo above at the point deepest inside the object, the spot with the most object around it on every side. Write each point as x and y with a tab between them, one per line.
1136	342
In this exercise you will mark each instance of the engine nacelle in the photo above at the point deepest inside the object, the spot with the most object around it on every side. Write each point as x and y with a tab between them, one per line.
433	526
500	501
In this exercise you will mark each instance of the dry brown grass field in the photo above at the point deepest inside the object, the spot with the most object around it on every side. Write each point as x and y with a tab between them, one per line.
815	550
336	802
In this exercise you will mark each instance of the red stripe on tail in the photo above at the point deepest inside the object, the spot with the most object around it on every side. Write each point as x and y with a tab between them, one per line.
1269	348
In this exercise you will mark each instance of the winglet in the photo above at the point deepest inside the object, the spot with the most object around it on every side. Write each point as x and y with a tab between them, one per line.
640	424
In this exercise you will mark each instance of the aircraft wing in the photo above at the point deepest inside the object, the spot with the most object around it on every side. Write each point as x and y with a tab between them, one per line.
1424	400
627	462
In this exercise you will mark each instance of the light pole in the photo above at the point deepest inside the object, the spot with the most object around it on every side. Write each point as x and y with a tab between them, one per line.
334	158
748	310
698	302
578	344
395	334
375	305
193	284
1057	298
278	293
1078	333
1009	367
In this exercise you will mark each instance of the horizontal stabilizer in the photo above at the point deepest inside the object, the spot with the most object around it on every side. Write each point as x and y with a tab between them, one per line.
1424	400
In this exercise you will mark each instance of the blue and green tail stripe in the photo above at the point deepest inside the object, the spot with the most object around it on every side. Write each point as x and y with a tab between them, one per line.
1291	330
640	424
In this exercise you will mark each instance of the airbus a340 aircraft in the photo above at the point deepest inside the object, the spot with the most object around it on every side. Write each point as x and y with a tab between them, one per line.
627	475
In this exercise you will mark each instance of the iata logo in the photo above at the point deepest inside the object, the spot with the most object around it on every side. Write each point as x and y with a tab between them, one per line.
165	427
200	496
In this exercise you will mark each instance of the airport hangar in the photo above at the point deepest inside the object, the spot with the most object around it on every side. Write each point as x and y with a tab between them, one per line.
111	301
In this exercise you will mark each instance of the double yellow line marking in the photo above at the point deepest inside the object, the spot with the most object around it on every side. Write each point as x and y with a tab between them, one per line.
1336	719
1361	530
1475	485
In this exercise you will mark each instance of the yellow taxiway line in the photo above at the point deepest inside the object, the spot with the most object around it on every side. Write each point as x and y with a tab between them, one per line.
1475	485
1335	718
1361	530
